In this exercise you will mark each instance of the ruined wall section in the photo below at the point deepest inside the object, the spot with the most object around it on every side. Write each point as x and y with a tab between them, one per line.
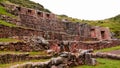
6	32
20	33
102	33
39	20
81	29
52	27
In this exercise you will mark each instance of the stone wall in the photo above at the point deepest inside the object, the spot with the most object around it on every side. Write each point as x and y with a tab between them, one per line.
10	58
99	44
10	19
101	33
19	32
65	60
48	22
22	46
16	31
74	46
40	23
71	46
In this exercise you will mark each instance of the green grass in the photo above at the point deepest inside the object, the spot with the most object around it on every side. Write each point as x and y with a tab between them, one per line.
30	53
8	40
11	64
7	24
103	63
29	4
4	12
11	52
38	53
108	49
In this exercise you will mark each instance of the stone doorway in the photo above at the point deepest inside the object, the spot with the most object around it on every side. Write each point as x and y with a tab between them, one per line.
103	34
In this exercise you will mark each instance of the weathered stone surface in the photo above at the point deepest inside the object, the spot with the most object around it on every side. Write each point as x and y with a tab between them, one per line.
10	19
107	55
38	43
7	58
55	29
73	46
89	60
65	60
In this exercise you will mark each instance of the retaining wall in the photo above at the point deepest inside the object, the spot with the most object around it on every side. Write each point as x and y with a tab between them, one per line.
72	46
10	58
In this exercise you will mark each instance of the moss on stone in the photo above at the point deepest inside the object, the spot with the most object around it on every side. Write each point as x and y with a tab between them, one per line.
7	24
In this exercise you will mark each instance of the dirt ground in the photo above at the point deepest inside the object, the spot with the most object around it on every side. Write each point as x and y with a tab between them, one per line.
115	52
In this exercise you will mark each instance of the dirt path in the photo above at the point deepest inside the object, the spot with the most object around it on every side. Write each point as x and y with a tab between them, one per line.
115	52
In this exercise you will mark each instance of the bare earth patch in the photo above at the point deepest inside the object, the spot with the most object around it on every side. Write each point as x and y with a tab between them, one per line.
115	52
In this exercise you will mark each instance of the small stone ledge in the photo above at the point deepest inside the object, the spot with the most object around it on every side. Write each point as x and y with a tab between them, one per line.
107	55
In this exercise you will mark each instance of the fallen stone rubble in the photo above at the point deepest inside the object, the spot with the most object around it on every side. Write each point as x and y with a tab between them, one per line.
64	60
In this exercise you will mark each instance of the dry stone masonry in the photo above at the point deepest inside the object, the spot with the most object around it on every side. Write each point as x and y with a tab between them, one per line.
72	43
49	23
46	25
65	60
10	58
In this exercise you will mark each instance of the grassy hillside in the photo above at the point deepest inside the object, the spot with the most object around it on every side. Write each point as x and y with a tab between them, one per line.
113	23
103	63
28	4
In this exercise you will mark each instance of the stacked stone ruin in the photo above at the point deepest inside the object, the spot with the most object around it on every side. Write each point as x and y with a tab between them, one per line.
65	60
55	31
44	31
49	23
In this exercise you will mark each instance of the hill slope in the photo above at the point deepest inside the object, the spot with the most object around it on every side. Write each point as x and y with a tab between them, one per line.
113	23
28	4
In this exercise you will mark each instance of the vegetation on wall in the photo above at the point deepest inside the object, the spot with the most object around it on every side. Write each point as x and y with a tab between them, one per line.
4	12
6	24
29	4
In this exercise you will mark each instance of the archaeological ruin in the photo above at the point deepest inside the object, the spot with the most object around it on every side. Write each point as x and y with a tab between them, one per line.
44	31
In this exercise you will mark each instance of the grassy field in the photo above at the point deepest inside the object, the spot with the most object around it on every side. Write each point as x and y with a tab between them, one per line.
8	40
103	63
11	64
30	53
108	49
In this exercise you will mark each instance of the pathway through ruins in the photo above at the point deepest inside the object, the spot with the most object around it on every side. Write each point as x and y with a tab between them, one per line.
115	52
